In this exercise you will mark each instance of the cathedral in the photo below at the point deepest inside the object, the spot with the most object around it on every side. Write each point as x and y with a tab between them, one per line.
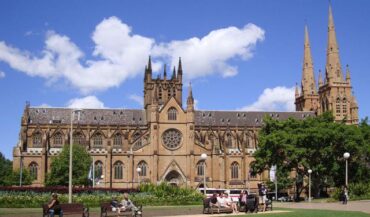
166	139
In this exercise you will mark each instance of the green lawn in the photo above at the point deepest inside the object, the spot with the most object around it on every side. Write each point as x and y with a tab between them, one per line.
311	213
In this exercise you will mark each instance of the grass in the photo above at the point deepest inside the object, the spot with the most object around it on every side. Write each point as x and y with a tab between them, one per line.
311	213
291	213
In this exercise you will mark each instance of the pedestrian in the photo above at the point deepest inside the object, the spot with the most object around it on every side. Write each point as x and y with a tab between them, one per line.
345	194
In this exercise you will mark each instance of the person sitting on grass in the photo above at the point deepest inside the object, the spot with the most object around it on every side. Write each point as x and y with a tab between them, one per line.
54	207
230	203
127	204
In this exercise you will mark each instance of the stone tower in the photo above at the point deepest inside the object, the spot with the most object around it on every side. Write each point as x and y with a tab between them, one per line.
162	88
335	90
307	99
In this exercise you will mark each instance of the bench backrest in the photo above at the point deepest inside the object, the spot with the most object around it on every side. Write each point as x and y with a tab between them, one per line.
72	207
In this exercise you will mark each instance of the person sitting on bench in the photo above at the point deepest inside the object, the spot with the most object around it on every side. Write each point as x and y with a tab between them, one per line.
127	204
230	203
213	201
54	207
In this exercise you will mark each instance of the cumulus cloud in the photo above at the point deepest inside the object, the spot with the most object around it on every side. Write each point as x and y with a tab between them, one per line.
138	99
274	99
85	102
2	74
119	55
210	54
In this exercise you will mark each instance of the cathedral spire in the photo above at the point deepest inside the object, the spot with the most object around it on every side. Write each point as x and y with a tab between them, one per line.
165	72
348	74
190	100
150	64
308	78
320	79
333	67
179	70
174	73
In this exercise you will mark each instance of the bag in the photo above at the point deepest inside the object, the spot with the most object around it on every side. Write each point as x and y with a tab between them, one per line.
114	203
57	209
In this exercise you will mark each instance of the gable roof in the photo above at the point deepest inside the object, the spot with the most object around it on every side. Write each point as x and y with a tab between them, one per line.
88	116
243	118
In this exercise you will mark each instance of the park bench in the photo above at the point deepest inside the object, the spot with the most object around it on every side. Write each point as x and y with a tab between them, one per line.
268	206
106	210
208	209
69	209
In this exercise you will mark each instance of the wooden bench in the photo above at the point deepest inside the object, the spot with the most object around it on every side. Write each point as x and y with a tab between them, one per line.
208	209
268	206
69	209
106	210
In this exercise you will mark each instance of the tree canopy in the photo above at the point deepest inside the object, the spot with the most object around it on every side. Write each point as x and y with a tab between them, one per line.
315	143
81	161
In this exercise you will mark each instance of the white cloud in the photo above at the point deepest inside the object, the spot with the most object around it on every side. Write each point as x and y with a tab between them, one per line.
274	99
2	74
210	54
138	99
85	102
119	54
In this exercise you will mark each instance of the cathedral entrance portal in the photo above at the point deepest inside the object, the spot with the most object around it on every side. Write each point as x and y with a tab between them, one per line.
174	178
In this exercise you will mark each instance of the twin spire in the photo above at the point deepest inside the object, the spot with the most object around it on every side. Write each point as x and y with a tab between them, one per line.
333	70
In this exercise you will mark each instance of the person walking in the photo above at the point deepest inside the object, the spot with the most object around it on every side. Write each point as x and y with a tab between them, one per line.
345	194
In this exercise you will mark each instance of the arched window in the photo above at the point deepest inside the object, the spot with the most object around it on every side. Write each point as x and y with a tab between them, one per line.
118	170
229	140
98	139
234	170
37	139
58	139
98	169
117	140
200	168
78	138
344	106
337	107
172	114
143	165
33	170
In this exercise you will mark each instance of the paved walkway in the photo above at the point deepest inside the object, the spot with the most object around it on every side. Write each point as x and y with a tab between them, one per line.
363	206
223	214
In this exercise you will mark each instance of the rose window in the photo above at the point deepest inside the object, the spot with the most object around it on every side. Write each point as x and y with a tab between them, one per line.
171	139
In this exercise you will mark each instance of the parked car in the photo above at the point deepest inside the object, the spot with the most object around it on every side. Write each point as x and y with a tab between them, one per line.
281	196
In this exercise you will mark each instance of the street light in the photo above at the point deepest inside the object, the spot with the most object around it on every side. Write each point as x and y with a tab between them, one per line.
71	153
138	170
309	185
346	155
204	157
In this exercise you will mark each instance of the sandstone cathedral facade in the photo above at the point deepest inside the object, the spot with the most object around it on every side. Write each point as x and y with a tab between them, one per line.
165	139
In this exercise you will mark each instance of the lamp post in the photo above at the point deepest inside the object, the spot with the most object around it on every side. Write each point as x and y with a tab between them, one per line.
309	185
346	155
204	157
71	153
138	170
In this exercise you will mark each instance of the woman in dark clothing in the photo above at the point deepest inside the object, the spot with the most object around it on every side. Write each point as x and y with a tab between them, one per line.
54	207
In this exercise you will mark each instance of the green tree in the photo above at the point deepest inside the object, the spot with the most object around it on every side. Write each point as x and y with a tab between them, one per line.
5	169
14	176
316	143
81	161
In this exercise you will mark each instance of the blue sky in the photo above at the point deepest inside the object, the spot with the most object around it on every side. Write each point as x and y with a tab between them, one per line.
237	54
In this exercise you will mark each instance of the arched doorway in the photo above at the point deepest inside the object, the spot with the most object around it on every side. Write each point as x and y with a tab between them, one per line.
174	178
